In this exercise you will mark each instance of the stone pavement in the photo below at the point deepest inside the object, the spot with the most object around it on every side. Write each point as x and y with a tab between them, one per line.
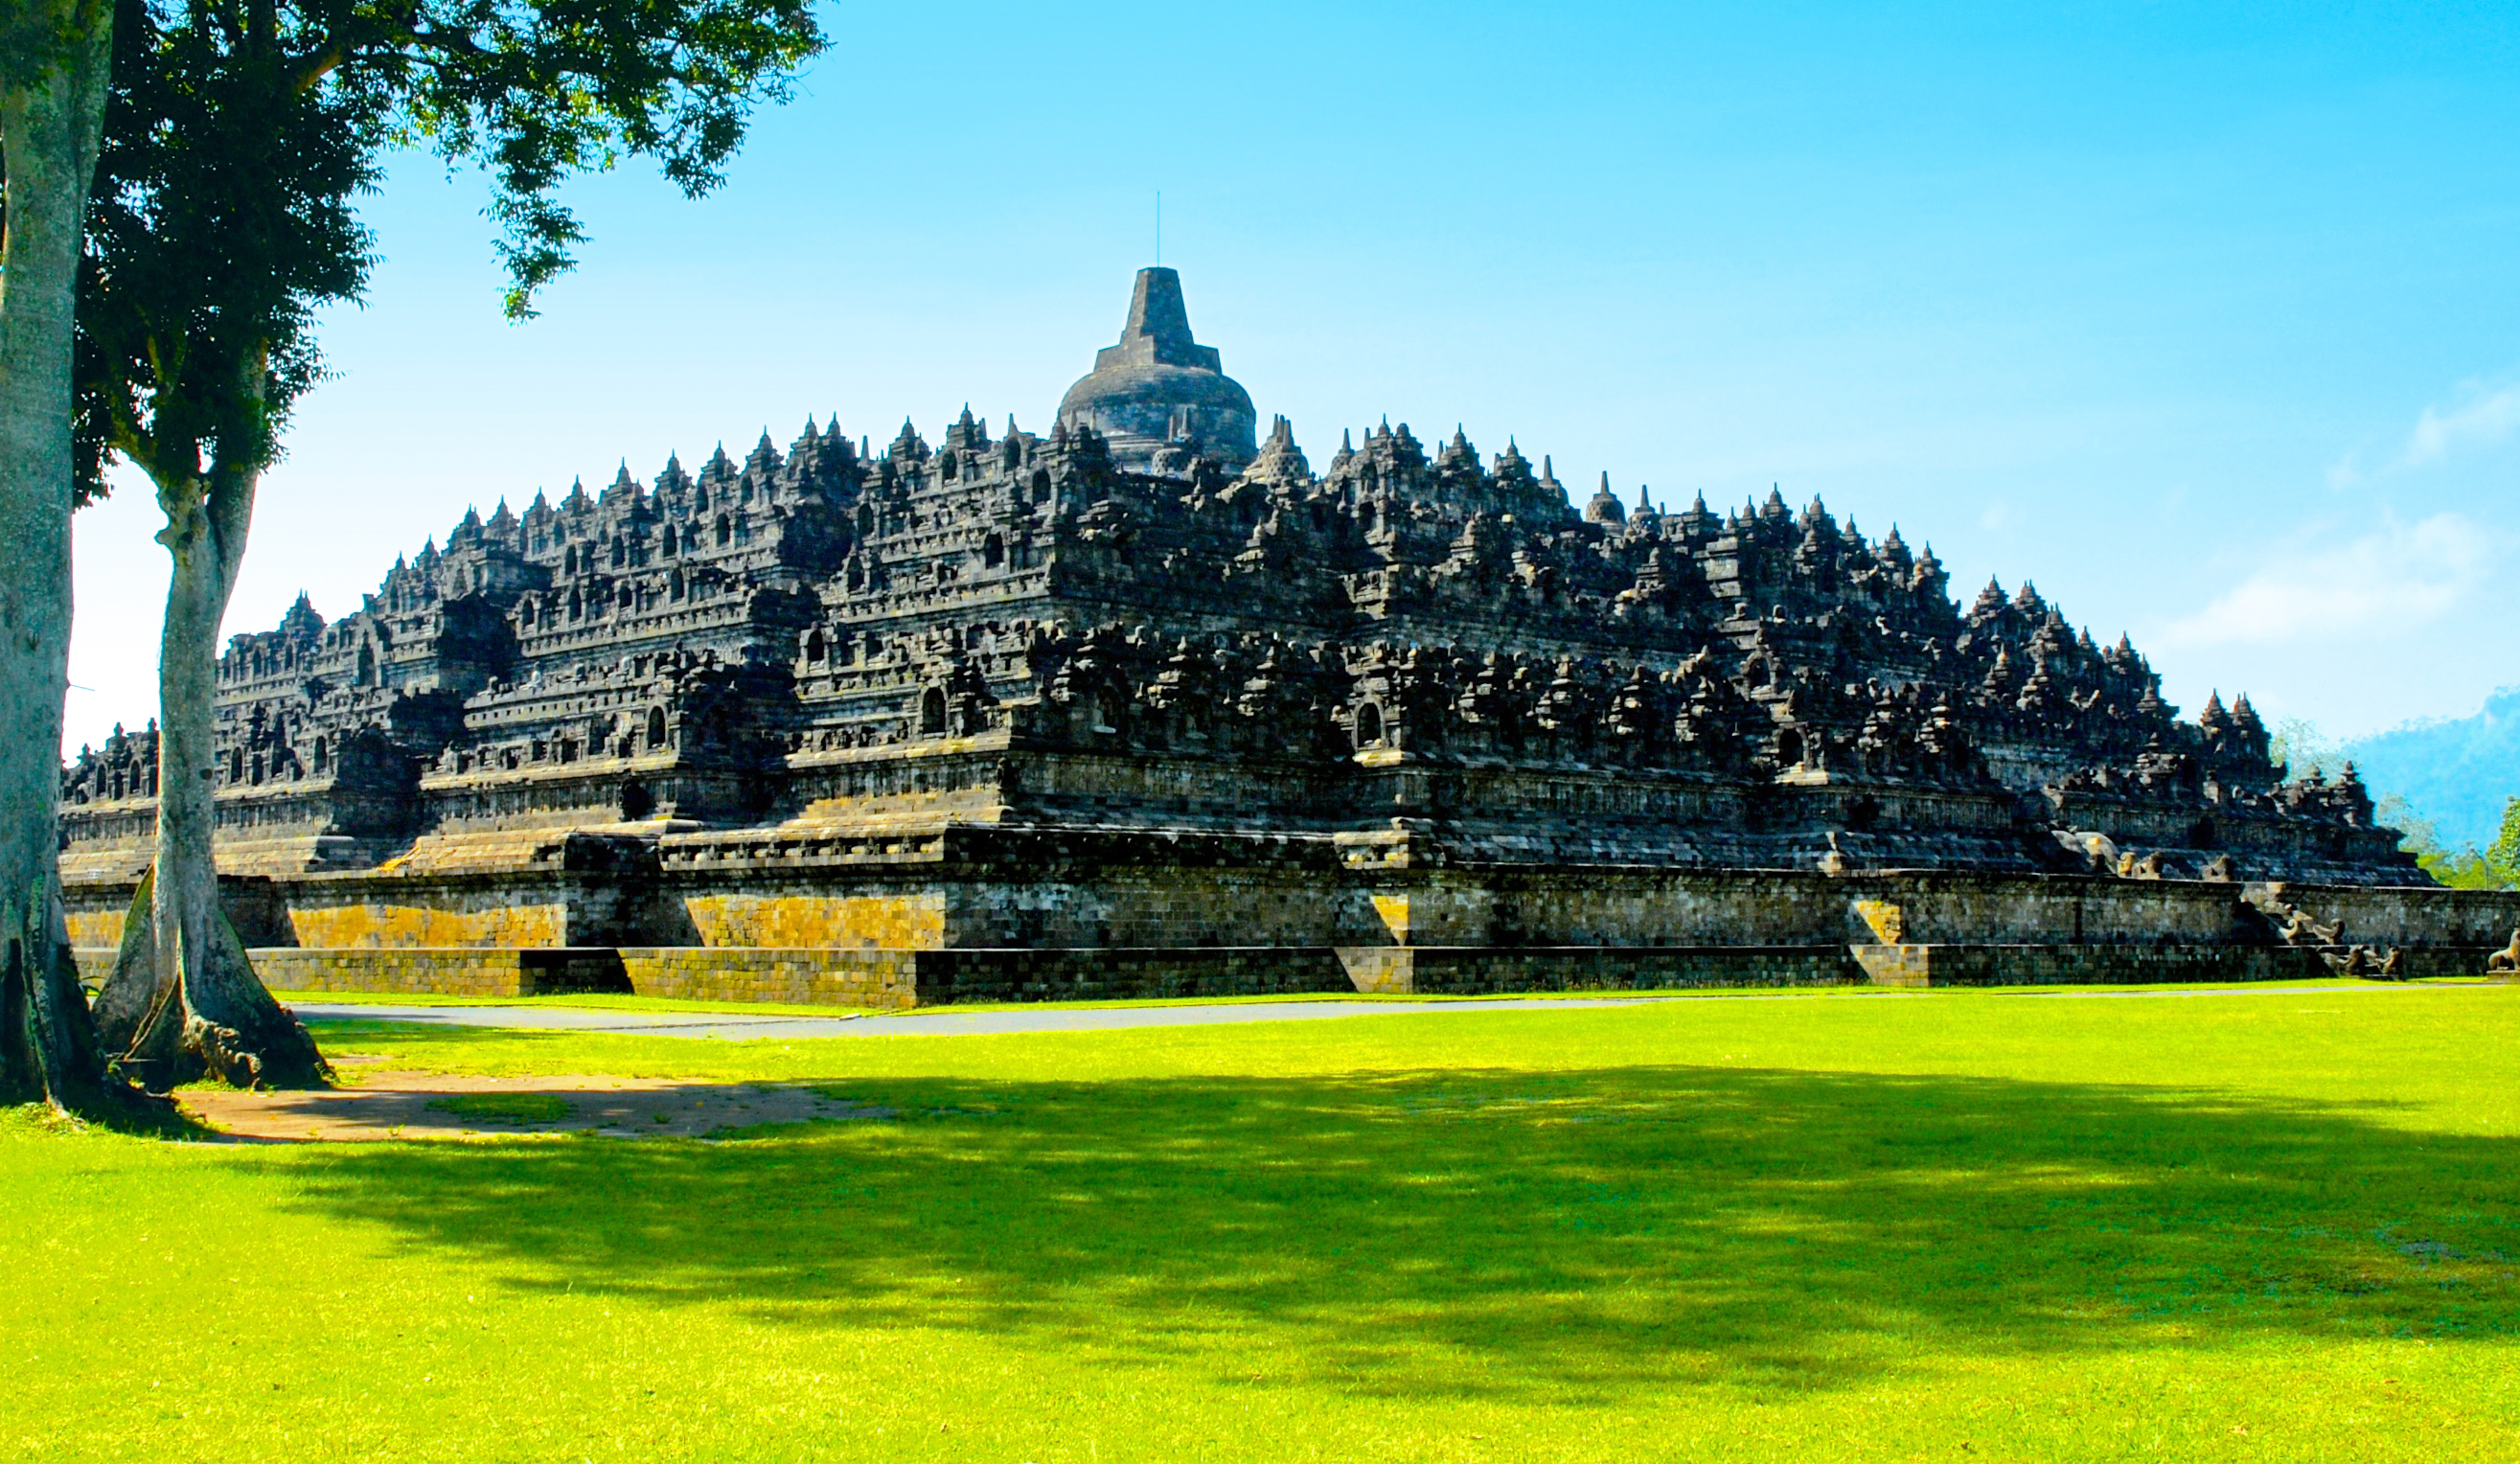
946	1022
742	1026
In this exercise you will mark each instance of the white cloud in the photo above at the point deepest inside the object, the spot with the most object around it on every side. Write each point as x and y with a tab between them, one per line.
2485	417
2376	586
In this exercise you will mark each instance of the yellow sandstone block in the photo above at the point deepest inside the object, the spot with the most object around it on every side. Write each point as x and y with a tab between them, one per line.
96	927
1886	919
378	925
897	922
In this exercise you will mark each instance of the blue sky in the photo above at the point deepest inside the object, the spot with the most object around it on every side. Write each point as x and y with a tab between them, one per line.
2204	318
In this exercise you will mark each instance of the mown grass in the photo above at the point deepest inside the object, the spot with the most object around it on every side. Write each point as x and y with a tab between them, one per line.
2254	1225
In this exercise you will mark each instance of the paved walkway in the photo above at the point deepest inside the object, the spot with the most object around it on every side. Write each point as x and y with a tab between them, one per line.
742	1026
945	1023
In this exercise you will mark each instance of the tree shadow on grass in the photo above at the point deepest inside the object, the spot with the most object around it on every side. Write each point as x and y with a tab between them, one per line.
1512	1234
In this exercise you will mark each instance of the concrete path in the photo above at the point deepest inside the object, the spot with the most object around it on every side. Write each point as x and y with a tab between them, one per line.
946	1022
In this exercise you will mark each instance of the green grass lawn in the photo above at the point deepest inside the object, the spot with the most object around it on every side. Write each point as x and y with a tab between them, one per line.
2244	1225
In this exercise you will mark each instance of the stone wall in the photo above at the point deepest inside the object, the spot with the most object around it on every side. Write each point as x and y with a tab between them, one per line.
1916	966
966	888
911	918
897	979
460	971
799	977
1430	971
2409	916
914	915
805	977
95	965
259	909
1127	973
2131	965
1963	909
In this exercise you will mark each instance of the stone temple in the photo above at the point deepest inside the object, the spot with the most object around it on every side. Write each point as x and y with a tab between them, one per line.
1149	702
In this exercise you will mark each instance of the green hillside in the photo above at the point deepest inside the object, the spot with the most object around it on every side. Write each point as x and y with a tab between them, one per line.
2455	775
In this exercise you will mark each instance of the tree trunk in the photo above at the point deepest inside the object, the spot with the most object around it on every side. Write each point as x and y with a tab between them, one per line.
52	110
206	1010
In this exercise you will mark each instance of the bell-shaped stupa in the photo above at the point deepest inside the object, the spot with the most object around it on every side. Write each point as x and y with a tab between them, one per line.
1159	388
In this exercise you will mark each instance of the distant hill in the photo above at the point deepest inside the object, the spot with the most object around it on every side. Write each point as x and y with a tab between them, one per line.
2455	775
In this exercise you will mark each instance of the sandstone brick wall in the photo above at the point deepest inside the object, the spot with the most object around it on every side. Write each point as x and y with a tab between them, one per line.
775	914
1124	973
1922	966
95	927
1188	907
391	923
1996	910
97	909
1644	906
1079	901
805	977
414	971
2411	917
920	978
1423	970
546	904
921	914
450	971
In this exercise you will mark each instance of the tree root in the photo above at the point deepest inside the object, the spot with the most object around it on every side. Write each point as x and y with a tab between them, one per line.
179	1045
278	1056
210	1016
48	1051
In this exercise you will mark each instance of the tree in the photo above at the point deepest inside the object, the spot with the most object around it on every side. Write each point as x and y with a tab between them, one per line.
2298	744
2504	855
53	56
238	134
2463	868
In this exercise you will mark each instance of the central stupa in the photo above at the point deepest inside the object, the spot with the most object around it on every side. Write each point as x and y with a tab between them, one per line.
1159	391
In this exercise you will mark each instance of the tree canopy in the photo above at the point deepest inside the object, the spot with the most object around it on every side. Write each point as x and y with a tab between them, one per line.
240	133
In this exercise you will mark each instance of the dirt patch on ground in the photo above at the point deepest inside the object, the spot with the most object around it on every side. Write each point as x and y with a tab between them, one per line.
436	1105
